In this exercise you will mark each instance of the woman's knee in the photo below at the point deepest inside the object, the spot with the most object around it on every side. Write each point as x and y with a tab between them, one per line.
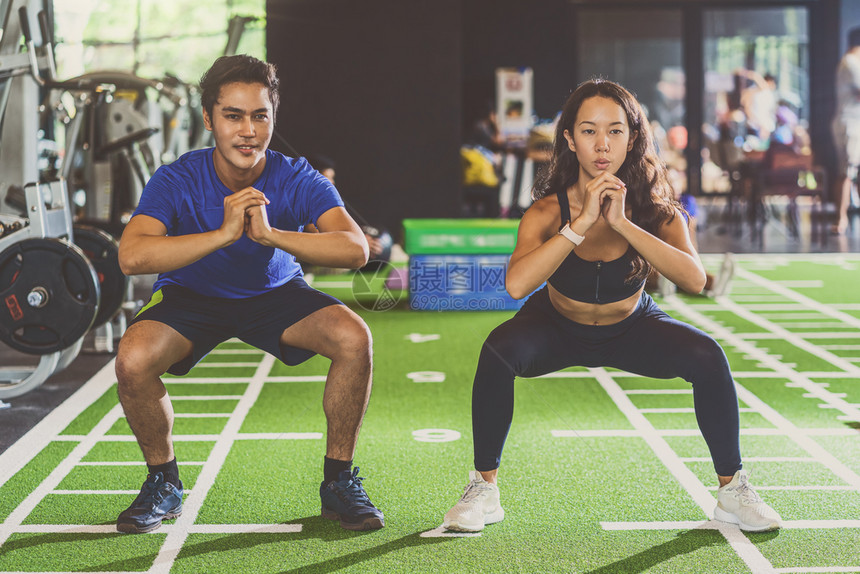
703	353
505	348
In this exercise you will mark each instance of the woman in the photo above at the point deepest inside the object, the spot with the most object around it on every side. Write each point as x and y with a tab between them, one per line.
604	216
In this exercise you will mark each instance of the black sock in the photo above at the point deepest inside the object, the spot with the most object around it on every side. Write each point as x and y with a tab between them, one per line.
169	470
332	468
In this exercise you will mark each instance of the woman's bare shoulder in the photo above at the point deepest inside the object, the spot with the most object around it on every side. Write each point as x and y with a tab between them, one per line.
543	217
544	207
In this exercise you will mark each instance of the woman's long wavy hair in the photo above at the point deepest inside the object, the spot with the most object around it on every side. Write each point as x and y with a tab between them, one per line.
649	193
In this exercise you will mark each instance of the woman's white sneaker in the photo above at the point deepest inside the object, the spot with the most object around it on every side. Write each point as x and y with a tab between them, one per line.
738	503
479	506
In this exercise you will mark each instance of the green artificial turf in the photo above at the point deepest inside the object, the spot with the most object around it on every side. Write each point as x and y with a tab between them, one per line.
415	453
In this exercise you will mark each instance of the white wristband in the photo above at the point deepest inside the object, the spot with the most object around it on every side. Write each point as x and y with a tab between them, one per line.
571	235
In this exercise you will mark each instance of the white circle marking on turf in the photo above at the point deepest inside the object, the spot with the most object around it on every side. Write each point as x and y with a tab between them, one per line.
435	435
420	338
427	377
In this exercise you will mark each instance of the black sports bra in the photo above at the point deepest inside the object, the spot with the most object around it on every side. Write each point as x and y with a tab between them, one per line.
592	281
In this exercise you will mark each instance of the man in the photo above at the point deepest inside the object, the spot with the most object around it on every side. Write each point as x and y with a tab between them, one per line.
222	228
846	126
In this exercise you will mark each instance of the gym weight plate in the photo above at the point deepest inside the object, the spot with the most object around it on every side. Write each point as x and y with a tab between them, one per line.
103	252
49	295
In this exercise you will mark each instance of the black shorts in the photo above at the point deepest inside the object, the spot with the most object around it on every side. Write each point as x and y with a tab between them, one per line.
259	321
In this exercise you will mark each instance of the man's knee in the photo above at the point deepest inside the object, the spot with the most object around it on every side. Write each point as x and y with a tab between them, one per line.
143	355
351	336
133	365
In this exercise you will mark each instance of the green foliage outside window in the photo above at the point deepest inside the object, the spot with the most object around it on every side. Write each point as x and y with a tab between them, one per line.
152	38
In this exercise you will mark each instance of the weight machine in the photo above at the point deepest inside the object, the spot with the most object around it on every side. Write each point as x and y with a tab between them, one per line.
52	289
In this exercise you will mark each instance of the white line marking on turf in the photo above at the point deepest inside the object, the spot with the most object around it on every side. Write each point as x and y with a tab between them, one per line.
793	338
713	524
165	528
23	510
250	351
131	463
203	437
742	546
297	379
131	492
205	398
801	283
835	465
660	447
214	365
37	438
176	538
593	433
801	488
222	380
756	298
440	532
420	338
204	381
245	528
755	459
567	375
426	377
763	307
130	438
788	428
810	335
280	436
683	410
100	572
659	392
811	325
201	415
799	298
567	433
817	569
781	317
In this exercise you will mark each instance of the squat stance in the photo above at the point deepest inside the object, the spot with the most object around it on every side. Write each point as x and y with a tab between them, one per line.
222	228
604	216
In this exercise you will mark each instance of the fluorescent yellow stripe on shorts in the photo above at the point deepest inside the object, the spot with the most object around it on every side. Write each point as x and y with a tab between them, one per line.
156	299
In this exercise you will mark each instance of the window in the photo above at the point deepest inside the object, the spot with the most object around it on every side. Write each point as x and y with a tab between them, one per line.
153	38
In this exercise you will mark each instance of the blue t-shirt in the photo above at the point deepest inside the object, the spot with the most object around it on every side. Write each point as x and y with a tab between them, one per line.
188	197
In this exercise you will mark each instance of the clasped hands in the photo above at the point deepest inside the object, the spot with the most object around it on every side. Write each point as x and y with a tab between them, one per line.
245	213
604	197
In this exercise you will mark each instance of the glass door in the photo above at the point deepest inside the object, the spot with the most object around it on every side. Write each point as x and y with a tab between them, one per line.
756	90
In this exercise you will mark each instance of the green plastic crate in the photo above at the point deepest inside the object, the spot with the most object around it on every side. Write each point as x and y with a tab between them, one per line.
459	236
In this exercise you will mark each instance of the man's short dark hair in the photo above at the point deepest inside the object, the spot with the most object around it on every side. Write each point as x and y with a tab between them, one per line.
239	68
854	37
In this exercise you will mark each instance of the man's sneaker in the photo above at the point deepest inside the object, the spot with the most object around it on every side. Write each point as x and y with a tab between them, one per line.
723	281
157	501
346	500
478	506
738	503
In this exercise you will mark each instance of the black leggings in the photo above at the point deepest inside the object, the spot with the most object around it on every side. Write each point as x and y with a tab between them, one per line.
539	340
